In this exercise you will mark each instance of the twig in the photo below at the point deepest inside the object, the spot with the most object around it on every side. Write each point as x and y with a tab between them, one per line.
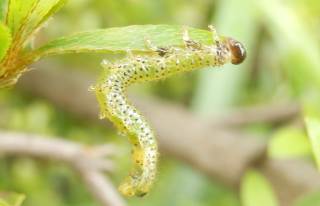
274	114
90	162
101	187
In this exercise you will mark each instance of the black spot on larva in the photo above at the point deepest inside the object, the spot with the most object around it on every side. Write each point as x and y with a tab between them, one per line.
162	51
142	194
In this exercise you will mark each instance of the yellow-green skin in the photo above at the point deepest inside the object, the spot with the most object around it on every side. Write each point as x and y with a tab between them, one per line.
161	64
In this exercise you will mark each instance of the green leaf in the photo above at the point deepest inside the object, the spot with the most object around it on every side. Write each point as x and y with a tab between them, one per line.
44	9
25	17
256	190
18	13
3	6
120	39
51	7
11	199
288	143
5	40
313	128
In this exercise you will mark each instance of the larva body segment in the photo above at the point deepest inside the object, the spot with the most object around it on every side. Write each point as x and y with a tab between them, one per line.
163	63
115	106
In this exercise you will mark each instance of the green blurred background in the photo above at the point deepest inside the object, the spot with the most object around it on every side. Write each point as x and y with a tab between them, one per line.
283	44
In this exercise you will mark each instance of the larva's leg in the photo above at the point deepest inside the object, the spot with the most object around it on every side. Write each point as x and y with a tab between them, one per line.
92	88
130	54
215	36
188	42
185	35
160	50
106	64
101	88
148	44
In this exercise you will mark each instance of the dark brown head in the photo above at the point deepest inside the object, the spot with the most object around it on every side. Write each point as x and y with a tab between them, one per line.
238	52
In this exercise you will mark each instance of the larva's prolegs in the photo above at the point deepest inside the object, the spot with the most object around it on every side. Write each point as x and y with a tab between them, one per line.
161	63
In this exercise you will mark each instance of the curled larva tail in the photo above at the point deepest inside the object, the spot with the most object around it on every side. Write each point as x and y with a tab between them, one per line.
114	106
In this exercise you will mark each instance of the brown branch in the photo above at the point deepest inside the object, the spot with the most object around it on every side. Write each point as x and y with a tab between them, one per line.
221	153
88	161
274	114
101	187
291	178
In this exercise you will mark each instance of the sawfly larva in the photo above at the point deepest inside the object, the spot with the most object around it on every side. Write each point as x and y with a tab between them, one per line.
160	64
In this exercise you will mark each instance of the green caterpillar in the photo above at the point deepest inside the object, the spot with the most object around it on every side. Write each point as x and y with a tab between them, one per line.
160	64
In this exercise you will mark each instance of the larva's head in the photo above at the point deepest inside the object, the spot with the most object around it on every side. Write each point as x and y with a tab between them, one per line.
238	52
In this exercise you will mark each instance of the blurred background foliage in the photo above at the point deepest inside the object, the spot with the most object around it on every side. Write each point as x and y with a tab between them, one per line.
282	38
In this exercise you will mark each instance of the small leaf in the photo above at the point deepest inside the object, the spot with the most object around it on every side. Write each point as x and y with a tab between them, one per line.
5	40
25	17
288	143
256	190
53	9
120	39
43	10
18	12
313	128
11	199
